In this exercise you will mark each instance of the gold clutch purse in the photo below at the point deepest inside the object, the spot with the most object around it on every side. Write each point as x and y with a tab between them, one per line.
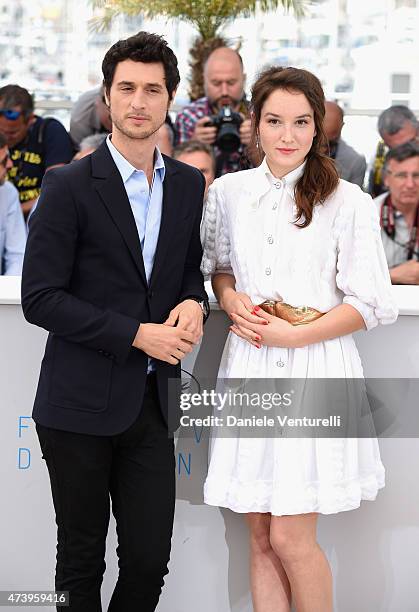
296	315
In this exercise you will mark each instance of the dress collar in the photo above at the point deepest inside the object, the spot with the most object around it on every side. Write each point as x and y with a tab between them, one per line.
265	179
289	180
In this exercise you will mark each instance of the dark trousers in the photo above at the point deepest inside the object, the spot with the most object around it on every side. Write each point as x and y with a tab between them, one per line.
135	470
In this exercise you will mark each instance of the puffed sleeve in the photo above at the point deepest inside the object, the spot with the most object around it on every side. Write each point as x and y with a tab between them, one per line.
362	270
214	233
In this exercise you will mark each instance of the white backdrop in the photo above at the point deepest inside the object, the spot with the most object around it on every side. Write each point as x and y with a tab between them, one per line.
373	550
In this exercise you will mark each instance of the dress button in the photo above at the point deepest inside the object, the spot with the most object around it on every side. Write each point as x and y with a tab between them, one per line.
278	185
270	240
280	363
267	271
275	206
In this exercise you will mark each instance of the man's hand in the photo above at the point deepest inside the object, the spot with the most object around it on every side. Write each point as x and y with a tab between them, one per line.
204	134
246	132
406	273
163	342
188	315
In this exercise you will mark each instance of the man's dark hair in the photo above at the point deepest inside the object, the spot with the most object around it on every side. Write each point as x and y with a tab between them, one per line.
14	95
402	152
142	47
3	140
393	119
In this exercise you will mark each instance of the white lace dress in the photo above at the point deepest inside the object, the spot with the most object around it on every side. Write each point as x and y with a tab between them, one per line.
248	231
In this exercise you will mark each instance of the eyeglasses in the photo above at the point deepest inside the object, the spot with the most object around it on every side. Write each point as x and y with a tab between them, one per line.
402	176
10	114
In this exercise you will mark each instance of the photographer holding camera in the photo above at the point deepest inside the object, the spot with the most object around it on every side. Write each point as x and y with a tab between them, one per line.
220	119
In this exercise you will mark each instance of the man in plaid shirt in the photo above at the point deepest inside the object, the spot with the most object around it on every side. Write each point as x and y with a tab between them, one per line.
224	86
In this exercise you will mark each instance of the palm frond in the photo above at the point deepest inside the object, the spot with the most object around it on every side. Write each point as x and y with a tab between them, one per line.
207	16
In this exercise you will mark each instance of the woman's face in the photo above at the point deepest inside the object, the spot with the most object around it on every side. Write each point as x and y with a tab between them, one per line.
286	130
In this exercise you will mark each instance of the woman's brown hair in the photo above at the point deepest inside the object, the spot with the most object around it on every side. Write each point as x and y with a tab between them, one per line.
320	177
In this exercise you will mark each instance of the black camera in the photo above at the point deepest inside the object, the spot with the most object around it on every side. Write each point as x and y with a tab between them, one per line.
227	123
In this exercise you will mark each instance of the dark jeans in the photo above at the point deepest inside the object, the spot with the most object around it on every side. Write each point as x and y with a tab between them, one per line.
134	469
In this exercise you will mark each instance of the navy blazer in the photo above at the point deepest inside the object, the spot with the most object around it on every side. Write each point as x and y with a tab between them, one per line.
84	281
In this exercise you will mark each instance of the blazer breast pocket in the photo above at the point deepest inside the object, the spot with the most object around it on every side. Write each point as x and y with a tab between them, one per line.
80	377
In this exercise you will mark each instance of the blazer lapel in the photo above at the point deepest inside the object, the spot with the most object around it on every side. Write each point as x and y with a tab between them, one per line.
108	183
171	214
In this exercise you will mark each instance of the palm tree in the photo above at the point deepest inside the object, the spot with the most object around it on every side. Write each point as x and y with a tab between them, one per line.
208	17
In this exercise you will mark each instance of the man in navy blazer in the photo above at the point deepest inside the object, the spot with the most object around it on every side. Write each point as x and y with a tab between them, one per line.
111	270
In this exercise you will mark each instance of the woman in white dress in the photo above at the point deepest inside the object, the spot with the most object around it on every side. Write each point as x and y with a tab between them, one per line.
290	231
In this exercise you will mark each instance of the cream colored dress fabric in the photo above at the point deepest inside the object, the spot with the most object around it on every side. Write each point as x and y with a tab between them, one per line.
248	231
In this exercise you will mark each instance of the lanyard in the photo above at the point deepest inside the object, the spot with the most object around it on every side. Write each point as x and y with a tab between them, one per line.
388	224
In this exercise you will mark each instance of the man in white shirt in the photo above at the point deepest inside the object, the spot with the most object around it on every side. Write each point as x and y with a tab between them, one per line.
398	208
12	225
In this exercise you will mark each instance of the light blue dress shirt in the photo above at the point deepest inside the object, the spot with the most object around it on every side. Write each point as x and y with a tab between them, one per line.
146	203
12	231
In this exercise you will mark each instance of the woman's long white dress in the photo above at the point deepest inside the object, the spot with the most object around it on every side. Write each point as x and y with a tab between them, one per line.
248	231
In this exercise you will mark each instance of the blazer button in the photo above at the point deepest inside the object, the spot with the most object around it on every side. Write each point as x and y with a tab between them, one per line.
150	294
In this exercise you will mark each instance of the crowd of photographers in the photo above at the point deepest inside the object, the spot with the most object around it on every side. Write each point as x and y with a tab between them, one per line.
213	134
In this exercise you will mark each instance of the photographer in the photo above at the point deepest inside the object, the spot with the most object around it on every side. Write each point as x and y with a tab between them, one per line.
220	119
396	126
12	225
398	209
36	144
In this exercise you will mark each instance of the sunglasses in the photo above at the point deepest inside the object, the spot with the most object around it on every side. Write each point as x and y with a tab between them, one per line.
10	114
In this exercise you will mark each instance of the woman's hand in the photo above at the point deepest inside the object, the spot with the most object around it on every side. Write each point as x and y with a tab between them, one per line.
239	304
339	321
269	330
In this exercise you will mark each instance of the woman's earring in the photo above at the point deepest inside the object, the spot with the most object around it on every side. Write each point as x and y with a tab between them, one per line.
257	141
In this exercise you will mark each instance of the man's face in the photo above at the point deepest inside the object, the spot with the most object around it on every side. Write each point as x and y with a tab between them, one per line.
15	130
138	99
5	163
402	180
406	133
202	161
224	82
332	123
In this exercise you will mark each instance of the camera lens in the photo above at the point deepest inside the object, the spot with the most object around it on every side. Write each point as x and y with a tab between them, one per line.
228	138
